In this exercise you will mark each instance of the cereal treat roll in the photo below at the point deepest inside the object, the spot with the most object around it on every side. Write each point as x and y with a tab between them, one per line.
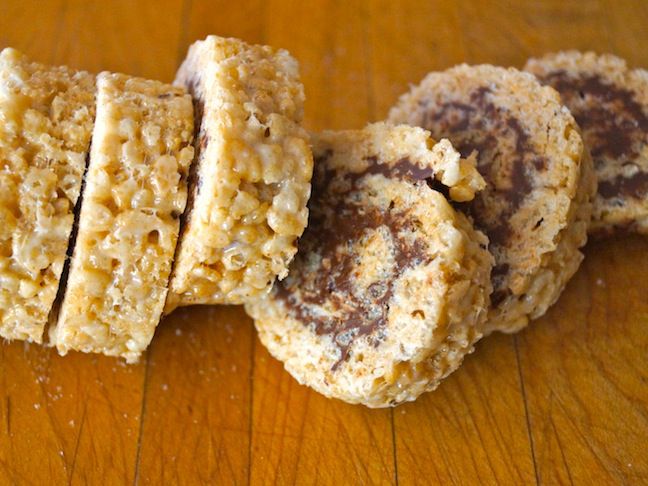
136	191
390	287
46	119
537	204
610	103
251	180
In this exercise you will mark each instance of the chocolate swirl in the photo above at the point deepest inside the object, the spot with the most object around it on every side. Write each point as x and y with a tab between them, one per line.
506	159
614	124
322	290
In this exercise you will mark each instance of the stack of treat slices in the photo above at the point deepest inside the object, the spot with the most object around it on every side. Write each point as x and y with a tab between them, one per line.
183	194
464	213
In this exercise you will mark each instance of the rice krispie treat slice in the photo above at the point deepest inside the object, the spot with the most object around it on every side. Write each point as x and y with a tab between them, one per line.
135	193
537	203
251	181
46	119
390	286
610	103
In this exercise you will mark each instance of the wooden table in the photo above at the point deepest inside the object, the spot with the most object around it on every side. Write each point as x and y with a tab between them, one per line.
564	401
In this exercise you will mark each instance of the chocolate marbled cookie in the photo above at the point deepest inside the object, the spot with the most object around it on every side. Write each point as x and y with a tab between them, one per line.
537	203
389	289
610	103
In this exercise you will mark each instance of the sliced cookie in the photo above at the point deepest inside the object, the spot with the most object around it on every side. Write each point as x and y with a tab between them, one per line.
537	203
610	103
251	180
46	119
135	193
389	289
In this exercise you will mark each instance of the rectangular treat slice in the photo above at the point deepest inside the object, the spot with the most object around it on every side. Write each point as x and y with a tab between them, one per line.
252	174
136	191
46	119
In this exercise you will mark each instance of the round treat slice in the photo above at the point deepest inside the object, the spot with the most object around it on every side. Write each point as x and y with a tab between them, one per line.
251	177
610	103
537	203
390	286
135	191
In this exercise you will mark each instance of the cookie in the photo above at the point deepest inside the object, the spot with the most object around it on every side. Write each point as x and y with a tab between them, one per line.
135	193
251	180
46	119
390	286
537	203
610	103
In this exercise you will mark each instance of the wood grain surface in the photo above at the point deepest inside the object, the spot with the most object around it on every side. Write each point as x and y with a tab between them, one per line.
565	401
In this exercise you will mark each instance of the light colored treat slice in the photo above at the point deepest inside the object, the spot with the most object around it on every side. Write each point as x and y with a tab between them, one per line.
46	118
135	193
537	203
610	103
251	181
389	289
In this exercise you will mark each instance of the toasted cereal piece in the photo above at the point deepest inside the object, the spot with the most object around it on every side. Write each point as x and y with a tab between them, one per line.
252	174
389	289
537	203
610	103
46	119
135	193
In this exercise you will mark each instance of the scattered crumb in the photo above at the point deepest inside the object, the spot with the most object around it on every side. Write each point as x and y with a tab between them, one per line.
36	406
164	387
600	282
178	332
71	423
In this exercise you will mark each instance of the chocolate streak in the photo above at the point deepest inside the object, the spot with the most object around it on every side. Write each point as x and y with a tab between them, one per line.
614	126
327	299
200	141
480	125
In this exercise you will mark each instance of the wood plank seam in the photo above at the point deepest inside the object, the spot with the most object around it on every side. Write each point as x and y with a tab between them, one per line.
142	415
515	340
394	446
184	30
253	340
250	405
526	409
372	109
76	445
368	49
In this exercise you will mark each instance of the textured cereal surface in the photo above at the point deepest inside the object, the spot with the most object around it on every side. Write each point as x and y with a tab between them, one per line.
390	287
536	206
610	103
411	152
135	193
251	181
46	118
